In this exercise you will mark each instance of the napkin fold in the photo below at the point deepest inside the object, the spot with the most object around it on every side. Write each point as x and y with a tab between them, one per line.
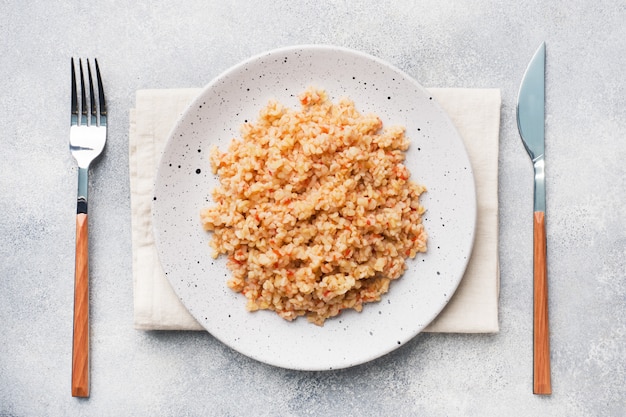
472	309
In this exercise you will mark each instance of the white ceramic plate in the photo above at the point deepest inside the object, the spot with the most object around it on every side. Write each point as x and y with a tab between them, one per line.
436	158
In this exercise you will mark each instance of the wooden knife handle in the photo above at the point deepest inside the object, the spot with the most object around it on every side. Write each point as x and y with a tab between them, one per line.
80	350
541	350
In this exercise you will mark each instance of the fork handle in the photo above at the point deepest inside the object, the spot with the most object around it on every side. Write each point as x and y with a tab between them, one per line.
541	343
80	350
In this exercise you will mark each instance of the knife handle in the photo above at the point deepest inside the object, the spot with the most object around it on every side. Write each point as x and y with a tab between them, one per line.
80	349
541	343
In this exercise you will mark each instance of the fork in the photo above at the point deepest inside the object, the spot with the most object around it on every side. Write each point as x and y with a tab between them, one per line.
88	131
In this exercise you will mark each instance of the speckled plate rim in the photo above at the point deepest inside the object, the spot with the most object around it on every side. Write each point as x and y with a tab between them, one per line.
436	158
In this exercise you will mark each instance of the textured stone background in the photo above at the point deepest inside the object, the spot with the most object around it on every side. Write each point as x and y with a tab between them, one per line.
442	43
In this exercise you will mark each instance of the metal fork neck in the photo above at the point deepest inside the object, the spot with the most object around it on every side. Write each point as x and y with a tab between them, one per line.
83	181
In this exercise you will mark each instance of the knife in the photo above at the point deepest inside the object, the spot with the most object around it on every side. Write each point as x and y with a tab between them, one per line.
531	126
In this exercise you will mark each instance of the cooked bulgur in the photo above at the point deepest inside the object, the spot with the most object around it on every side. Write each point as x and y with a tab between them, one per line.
315	209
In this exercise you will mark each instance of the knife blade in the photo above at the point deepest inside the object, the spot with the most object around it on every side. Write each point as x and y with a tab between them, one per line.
531	126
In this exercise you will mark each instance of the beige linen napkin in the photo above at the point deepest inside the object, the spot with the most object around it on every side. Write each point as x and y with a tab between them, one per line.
474	307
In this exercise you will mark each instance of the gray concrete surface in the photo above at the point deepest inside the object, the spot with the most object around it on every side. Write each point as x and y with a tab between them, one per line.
442	43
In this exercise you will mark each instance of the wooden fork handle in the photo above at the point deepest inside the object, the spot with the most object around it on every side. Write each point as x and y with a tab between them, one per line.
541	343
80	350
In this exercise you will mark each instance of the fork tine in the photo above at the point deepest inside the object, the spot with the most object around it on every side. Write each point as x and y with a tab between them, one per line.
101	99
74	118
83	98
92	98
